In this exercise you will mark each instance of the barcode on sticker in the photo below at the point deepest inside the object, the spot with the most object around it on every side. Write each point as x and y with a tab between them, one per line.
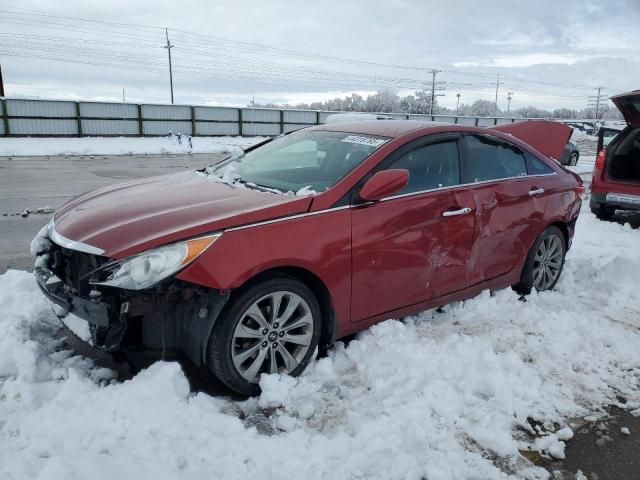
361	140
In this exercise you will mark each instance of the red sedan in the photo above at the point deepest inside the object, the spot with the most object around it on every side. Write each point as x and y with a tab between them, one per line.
251	265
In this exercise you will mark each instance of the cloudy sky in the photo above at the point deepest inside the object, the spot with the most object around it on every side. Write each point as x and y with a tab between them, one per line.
548	53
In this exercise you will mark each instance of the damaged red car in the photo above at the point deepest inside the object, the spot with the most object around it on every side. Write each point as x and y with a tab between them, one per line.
253	264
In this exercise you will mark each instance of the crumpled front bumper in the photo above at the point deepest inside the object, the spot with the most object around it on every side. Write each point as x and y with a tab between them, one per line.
93	311
107	320
172	317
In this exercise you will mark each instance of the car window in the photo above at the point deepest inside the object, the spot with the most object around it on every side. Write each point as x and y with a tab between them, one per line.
433	166
608	135
488	159
535	166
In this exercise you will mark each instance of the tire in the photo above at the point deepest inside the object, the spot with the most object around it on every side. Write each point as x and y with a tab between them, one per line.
247	340
573	159
603	213
544	263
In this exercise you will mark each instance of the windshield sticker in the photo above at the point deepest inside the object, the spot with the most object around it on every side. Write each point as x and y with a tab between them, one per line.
361	140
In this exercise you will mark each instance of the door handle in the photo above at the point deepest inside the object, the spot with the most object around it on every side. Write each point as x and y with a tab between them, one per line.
536	191
453	213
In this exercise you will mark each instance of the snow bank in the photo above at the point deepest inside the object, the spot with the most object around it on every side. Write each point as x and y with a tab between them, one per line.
440	396
356	117
121	145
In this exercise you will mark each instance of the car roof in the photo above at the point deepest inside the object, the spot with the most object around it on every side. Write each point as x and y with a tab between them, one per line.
383	128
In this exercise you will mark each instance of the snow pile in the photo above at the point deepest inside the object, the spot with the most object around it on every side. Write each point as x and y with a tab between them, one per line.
14	147
356	117
451	395
580	136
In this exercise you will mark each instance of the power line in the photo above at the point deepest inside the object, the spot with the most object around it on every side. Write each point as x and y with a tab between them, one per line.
141	37
257	48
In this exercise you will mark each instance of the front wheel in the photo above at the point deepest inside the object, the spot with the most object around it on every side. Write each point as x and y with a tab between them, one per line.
544	262
272	327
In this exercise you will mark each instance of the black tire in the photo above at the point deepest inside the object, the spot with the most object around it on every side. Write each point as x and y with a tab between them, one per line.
603	213
527	281
573	159
220	359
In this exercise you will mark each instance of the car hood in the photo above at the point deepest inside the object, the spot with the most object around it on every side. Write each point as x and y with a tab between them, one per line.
127	218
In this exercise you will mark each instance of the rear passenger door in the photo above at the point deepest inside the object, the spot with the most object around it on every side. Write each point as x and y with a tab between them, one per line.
506	188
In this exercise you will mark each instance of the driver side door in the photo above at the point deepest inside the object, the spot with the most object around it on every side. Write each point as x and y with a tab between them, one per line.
413	246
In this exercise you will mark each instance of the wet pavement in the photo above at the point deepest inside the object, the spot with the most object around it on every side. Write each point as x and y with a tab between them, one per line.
32	187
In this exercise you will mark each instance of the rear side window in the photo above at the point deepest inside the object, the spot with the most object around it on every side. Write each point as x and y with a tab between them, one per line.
535	166
436	165
488	159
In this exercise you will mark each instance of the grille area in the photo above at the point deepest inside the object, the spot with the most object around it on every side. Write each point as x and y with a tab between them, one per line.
74	267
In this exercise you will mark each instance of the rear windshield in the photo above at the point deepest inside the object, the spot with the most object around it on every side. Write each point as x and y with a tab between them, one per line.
308	160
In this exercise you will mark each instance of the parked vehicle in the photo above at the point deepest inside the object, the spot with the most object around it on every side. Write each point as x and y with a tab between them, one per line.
570	155
589	128
390	218
616	175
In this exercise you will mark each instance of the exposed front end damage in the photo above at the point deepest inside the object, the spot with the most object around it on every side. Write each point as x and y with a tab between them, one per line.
170	317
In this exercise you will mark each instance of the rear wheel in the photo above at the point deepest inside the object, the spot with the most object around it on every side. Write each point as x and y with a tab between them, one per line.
602	212
544	262
271	327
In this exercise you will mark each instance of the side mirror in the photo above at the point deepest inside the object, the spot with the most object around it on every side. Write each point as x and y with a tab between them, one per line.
383	184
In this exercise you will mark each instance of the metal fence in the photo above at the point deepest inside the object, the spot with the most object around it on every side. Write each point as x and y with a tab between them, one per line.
54	118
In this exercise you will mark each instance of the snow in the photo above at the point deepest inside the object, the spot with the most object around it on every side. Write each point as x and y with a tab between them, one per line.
15	147
439	395
625	430
564	434
552	445
305	191
228	174
40	242
355	117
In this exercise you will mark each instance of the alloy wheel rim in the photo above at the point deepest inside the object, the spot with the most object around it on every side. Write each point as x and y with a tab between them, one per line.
273	335
547	262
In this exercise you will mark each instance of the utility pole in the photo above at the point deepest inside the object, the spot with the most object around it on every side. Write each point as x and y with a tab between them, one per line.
1	83
168	46
458	103
435	86
498	83
595	100
509	97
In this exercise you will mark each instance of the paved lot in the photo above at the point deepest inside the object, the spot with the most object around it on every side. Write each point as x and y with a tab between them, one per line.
37	182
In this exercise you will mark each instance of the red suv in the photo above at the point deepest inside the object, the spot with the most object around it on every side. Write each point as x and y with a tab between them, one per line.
616	175
251	265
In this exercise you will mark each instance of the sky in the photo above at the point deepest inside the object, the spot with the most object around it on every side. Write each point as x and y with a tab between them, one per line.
549	54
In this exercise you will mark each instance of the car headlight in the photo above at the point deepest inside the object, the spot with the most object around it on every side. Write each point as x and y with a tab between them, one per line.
146	269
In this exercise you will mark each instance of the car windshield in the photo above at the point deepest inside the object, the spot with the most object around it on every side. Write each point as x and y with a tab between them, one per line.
306	161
